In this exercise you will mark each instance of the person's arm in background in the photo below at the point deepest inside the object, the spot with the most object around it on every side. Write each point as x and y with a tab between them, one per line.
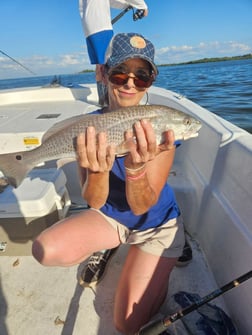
97	27
96	24
121	4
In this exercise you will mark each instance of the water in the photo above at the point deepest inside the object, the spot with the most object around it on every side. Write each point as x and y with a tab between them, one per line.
224	88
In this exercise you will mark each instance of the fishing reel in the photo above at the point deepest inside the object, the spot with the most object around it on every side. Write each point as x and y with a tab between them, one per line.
138	14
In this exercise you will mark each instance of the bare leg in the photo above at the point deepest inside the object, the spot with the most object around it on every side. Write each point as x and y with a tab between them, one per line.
141	290
72	240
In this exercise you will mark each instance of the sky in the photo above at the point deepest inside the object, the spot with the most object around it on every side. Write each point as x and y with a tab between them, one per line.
46	36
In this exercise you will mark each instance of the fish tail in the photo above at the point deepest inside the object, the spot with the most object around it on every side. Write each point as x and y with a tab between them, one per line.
14	167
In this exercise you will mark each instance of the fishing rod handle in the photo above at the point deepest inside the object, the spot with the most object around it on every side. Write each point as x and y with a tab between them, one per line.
115	19
154	328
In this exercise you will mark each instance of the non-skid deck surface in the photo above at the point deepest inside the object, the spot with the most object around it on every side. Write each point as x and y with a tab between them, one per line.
36	300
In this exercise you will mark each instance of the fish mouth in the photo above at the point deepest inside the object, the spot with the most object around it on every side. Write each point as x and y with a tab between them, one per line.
13	182
193	135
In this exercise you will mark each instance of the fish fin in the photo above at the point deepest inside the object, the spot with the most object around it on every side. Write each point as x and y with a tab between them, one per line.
123	148
14	167
189	136
63	125
63	161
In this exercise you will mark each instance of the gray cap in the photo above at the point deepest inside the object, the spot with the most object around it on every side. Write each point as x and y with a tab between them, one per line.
127	46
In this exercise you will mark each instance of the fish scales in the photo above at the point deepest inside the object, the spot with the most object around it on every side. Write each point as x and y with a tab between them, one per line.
59	141
114	123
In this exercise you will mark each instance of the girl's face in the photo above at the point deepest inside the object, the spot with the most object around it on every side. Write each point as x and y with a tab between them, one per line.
122	90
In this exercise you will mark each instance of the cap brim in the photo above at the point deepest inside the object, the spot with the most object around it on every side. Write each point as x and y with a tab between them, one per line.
123	59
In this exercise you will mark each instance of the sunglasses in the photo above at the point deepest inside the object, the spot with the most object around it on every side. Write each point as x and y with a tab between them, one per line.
141	80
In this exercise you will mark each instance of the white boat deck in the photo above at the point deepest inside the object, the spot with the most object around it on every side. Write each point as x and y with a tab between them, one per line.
41	300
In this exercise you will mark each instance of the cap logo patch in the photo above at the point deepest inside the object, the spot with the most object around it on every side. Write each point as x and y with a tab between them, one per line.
138	42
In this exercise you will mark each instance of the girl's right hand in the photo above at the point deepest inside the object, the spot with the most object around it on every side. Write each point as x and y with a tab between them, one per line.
93	151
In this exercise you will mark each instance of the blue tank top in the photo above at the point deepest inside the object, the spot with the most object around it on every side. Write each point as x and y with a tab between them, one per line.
118	208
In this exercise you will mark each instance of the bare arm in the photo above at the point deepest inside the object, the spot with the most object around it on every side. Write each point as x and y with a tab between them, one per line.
121	4
147	167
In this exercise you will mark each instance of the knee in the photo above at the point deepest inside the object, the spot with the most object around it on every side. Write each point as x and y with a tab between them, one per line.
43	251
38	251
132	320
129	326
126	328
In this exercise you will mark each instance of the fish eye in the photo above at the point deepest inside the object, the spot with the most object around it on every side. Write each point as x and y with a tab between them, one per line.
18	157
187	121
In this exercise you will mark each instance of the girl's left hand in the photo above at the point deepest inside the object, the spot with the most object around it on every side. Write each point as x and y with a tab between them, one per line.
143	146
169	140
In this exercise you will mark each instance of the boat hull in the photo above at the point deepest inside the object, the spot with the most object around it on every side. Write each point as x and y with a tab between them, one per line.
211	176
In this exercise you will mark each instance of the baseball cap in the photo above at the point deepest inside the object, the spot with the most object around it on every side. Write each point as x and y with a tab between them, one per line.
125	46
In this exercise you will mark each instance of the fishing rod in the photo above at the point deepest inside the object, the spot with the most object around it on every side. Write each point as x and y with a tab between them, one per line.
14	60
159	326
138	14
115	19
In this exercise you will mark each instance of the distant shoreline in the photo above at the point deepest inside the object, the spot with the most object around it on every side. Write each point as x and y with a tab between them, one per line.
198	61
209	60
